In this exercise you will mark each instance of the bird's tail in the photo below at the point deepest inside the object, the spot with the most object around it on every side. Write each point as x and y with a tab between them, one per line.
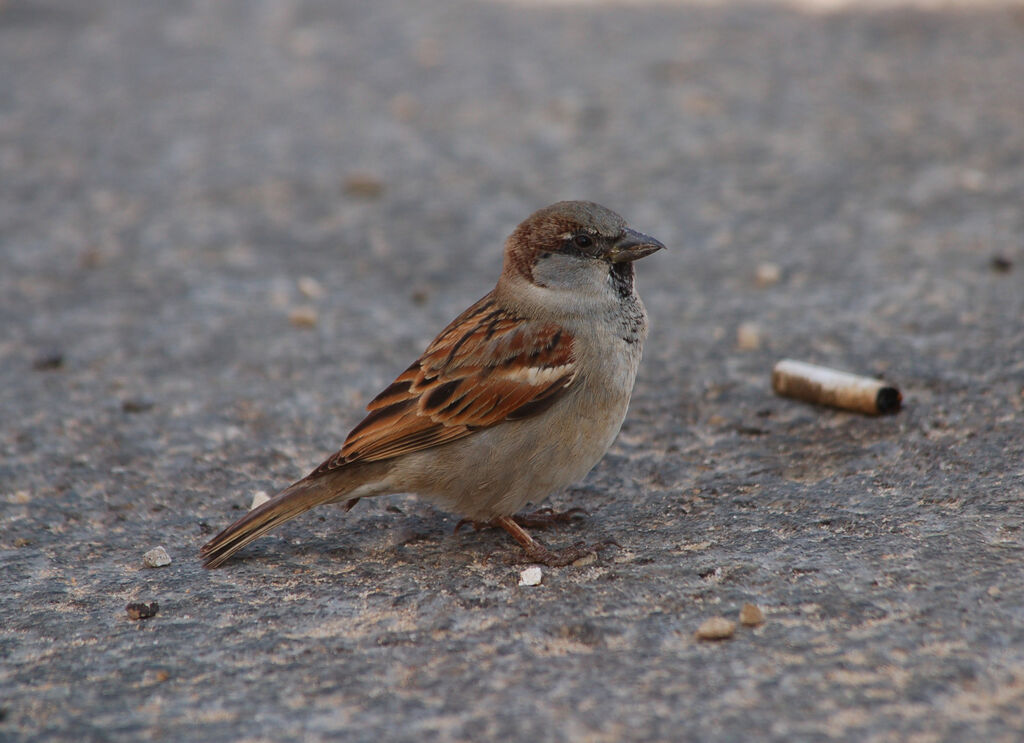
286	505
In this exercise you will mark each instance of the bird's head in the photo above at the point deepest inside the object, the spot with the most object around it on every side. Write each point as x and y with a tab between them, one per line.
572	244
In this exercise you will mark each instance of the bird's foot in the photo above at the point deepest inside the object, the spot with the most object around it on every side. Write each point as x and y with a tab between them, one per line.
538	553
542	555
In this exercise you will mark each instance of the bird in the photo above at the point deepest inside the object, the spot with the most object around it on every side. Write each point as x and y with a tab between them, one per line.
518	397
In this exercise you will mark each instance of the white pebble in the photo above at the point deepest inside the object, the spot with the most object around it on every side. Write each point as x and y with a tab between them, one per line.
156	558
531	576
303	317
310	287
767	274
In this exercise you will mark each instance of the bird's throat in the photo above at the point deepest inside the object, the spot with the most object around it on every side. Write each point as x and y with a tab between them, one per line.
621	277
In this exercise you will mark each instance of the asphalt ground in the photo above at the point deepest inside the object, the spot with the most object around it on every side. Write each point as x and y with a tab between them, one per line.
224	226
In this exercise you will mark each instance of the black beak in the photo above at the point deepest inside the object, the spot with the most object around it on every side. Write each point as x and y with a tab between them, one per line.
631	246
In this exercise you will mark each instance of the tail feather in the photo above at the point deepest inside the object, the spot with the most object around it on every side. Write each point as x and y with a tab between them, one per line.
286	505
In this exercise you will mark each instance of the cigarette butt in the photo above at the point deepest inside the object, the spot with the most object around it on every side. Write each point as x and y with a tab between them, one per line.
824	386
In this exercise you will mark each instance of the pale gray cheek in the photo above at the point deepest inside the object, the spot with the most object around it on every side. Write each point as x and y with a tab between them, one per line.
568	272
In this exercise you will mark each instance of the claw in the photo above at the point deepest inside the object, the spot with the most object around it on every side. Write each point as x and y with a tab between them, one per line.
534	550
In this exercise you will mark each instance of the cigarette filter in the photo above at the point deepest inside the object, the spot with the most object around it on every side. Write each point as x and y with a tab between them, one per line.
838	389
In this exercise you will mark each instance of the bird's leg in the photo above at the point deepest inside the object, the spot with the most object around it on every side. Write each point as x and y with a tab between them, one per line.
537	552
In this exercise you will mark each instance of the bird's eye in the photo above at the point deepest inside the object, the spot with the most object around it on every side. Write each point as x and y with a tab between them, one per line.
583	241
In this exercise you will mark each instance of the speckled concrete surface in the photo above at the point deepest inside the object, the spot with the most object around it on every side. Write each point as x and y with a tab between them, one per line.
225	225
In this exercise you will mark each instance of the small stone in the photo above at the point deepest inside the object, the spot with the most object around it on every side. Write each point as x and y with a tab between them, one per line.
694	547
48	361
156	558
310	287
532	576
363	185
91	257
748	336
303	317
588	559
155	676
767	274
142	610
258	499
1001	264
716	628
136	404
751	616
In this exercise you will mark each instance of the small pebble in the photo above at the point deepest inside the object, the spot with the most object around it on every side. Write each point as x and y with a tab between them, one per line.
716	628
303	317
155	676
156	558
748	336
531	576
258	499
363	185
48	361
1001	264
136	404
310	287
91	257
751	616
767	274
142	611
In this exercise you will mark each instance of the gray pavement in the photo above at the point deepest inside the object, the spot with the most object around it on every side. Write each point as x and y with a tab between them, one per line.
224	226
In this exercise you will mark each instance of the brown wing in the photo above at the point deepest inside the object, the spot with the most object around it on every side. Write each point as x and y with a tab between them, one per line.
486	367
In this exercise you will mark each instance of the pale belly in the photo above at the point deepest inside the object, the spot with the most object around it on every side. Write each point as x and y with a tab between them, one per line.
495	472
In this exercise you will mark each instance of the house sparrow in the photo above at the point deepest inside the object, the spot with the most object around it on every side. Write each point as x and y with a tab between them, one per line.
519	396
